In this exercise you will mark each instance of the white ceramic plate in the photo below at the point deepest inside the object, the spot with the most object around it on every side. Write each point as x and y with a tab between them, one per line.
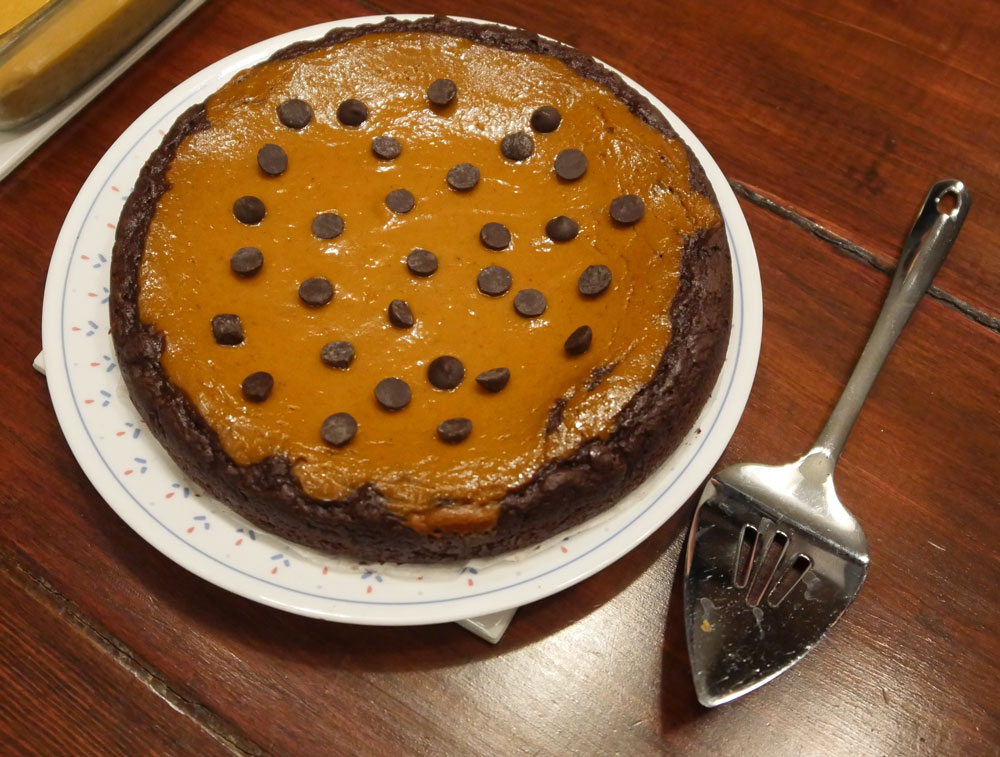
137	478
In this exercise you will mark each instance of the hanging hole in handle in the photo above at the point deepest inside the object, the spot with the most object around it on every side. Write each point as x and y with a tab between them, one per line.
947	203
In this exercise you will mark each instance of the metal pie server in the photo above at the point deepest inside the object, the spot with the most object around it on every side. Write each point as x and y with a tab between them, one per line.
773	558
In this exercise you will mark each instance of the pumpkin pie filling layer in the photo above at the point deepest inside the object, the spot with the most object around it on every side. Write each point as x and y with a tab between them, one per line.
572	367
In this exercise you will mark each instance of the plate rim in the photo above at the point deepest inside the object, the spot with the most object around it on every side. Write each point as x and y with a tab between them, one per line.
746	272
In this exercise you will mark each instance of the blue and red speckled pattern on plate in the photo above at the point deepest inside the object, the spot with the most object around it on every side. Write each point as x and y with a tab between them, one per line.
137	478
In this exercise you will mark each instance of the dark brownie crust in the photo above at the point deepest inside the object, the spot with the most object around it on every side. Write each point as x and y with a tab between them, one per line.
561	494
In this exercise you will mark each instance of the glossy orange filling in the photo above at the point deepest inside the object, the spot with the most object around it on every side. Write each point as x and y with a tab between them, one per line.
186	277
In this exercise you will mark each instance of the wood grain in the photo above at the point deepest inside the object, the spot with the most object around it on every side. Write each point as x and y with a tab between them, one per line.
845	111
792	100
63	693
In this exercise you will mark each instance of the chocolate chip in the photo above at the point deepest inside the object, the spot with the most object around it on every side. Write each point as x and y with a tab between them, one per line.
562	229
257	386
579	341
454	430
445	372
392	393
493	380
338	429
316	291
463	177
327	226
529	303
494	236
227	329
295	114
400	315
594	280
627	209
517	146
386	148
246	261
399	201
570	164
352	112
545	119
422	262
272	160
494	280
249	210
337	354
442	91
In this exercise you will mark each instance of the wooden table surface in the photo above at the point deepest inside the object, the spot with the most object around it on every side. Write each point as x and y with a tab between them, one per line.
831	120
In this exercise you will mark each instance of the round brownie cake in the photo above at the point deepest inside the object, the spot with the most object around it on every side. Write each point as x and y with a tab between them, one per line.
421	290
